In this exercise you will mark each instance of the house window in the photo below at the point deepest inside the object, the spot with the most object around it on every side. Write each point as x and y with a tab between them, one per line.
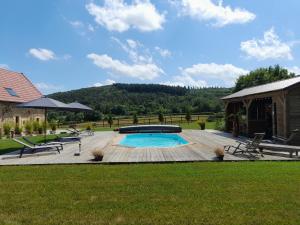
11	92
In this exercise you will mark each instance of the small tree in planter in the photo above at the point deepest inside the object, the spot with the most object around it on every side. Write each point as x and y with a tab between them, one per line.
53	127
219	153
98	154
35	126
135	119
7	128
18	129
28	127
201	124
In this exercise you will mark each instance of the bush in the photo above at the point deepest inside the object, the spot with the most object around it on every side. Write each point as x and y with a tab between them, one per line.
202	125
220	125
18	129
88	126
219	152
53	125
7	128
28	127
35	126
98	154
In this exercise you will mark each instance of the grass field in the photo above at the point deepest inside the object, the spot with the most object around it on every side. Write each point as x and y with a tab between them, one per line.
251	193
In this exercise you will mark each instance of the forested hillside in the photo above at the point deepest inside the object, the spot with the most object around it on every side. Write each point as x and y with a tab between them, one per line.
142	99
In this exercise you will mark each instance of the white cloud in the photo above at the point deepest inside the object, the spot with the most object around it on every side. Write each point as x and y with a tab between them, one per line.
146	71
294	69
117	15
42	54
186	81
106	82
76	24
270	47
204	75
135	50
46	88
163	52
207	10
4	66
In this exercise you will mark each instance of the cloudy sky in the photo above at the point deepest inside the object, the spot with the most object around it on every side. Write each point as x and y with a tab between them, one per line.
67	44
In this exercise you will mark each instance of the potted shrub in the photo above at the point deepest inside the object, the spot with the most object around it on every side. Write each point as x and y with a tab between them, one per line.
18	129
28	127
202	125
98	154
220	153
35	126
7	128
53	127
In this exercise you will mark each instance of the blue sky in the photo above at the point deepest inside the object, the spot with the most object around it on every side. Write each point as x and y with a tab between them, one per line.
65	44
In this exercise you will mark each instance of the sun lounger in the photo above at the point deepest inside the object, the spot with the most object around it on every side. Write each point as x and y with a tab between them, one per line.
250	147
77	132
280	148
26	146
282	140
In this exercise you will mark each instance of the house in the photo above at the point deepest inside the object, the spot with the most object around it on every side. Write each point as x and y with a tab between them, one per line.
16	88
273	108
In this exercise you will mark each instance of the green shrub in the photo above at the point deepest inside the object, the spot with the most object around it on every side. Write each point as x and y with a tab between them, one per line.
28	127
53	125
7	128
35	126
220	125
201	124
88	126
18	129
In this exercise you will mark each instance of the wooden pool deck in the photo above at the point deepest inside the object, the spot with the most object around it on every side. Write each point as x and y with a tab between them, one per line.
200	148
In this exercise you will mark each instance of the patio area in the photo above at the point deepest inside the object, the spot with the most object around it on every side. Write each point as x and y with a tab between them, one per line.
200	148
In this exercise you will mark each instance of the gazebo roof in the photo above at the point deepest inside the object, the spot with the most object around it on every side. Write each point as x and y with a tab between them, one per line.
271	87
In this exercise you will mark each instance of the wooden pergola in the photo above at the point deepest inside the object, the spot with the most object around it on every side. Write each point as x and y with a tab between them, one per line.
272	108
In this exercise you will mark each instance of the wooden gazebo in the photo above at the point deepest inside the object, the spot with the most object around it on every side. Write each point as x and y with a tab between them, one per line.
272	108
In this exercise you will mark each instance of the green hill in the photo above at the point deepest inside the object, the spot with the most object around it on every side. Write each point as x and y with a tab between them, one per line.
142	99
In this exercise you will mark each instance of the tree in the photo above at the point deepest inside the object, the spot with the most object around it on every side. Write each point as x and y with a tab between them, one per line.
110	120
161	117
262	76
135	119
188	115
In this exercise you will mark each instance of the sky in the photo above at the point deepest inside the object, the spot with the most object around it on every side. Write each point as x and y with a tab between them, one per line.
66	44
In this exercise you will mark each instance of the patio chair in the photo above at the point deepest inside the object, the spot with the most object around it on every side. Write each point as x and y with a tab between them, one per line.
47	143
77	132
34	148
250	147
285	141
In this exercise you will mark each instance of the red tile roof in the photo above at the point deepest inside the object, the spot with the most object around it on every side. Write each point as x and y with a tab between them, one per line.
23	87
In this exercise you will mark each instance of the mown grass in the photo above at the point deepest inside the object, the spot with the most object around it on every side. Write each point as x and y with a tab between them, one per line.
199	193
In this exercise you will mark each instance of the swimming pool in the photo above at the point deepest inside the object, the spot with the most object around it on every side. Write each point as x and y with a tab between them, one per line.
153	140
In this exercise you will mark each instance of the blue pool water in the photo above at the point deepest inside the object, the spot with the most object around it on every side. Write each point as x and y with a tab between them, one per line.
153	140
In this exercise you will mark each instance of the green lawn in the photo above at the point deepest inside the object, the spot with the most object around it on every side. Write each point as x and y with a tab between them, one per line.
7	145
251	193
